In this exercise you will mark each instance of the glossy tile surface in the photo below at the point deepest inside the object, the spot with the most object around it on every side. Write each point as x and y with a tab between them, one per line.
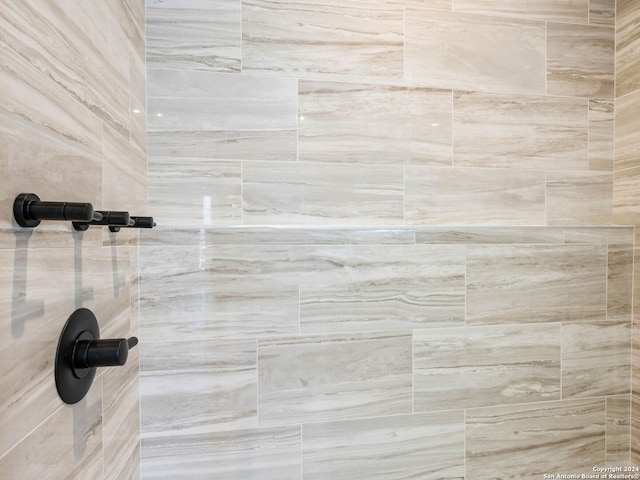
194	35
523	284
425	446
350	38
474	52
568	11
510	131
579	198
343	122
454	196
580	60
358	376
196	114
484	366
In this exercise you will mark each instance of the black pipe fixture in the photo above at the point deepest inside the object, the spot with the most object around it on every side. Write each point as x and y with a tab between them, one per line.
29	211
81	351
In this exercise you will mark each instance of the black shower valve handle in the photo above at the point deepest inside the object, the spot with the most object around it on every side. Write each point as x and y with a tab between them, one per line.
107	217
29	211
110	352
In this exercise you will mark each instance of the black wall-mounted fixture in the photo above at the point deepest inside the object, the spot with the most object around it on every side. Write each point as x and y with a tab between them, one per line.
136	222
109	218
28	211
81	351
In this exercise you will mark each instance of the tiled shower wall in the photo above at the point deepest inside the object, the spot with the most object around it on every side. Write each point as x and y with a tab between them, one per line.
311	305
72	128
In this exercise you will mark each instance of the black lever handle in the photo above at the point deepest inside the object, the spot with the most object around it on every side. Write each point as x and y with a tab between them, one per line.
102	353
135	222
28	210
111	218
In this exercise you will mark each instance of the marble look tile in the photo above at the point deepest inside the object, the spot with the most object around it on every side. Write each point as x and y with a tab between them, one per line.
343	122
627	123
195	191
194	35
618	429
620	282
627	41
346	39
474	52
568	11
619	235
527	441
266	453
508	131
535	283
67	445
130	15
626	197
384	288
198	387
579	198
426	446
595	359
447	196
323	378
121	419
138	103
601	135
489	235
310	193
196	114
580	60
602	12
218	292
485	366
431	4
85	54
635	430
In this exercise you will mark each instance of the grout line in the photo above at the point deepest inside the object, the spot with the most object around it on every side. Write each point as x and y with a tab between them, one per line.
16	444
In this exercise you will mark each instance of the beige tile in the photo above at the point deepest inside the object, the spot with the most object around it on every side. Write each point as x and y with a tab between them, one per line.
579	198
424	446
626	197
535	283
347	39
267	453
546	133
344	122
197	387
218	292
197	114
619	235
195	191
485	366
194	35
601	135
310	193
568	11
384	288
138	103
527	441
332	377
620	282
580	60
627	144
635	430
474	52
131	17
627	41
602	12
489	235
595	359
470	196
432	4
618	430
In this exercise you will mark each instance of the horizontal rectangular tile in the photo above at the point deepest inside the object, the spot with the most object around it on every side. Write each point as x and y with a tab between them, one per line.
474	52
195	191
602	12
627	124
595	359
323	378
445	196
198	35
350	38
580	60
266	453
617	235
197	114
384	288
486	366
627	40
626	197
568	11
310	193
579	198
346	122
601	134
618	429
535	283
620	282
528	441
545	133
405	446
489	235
